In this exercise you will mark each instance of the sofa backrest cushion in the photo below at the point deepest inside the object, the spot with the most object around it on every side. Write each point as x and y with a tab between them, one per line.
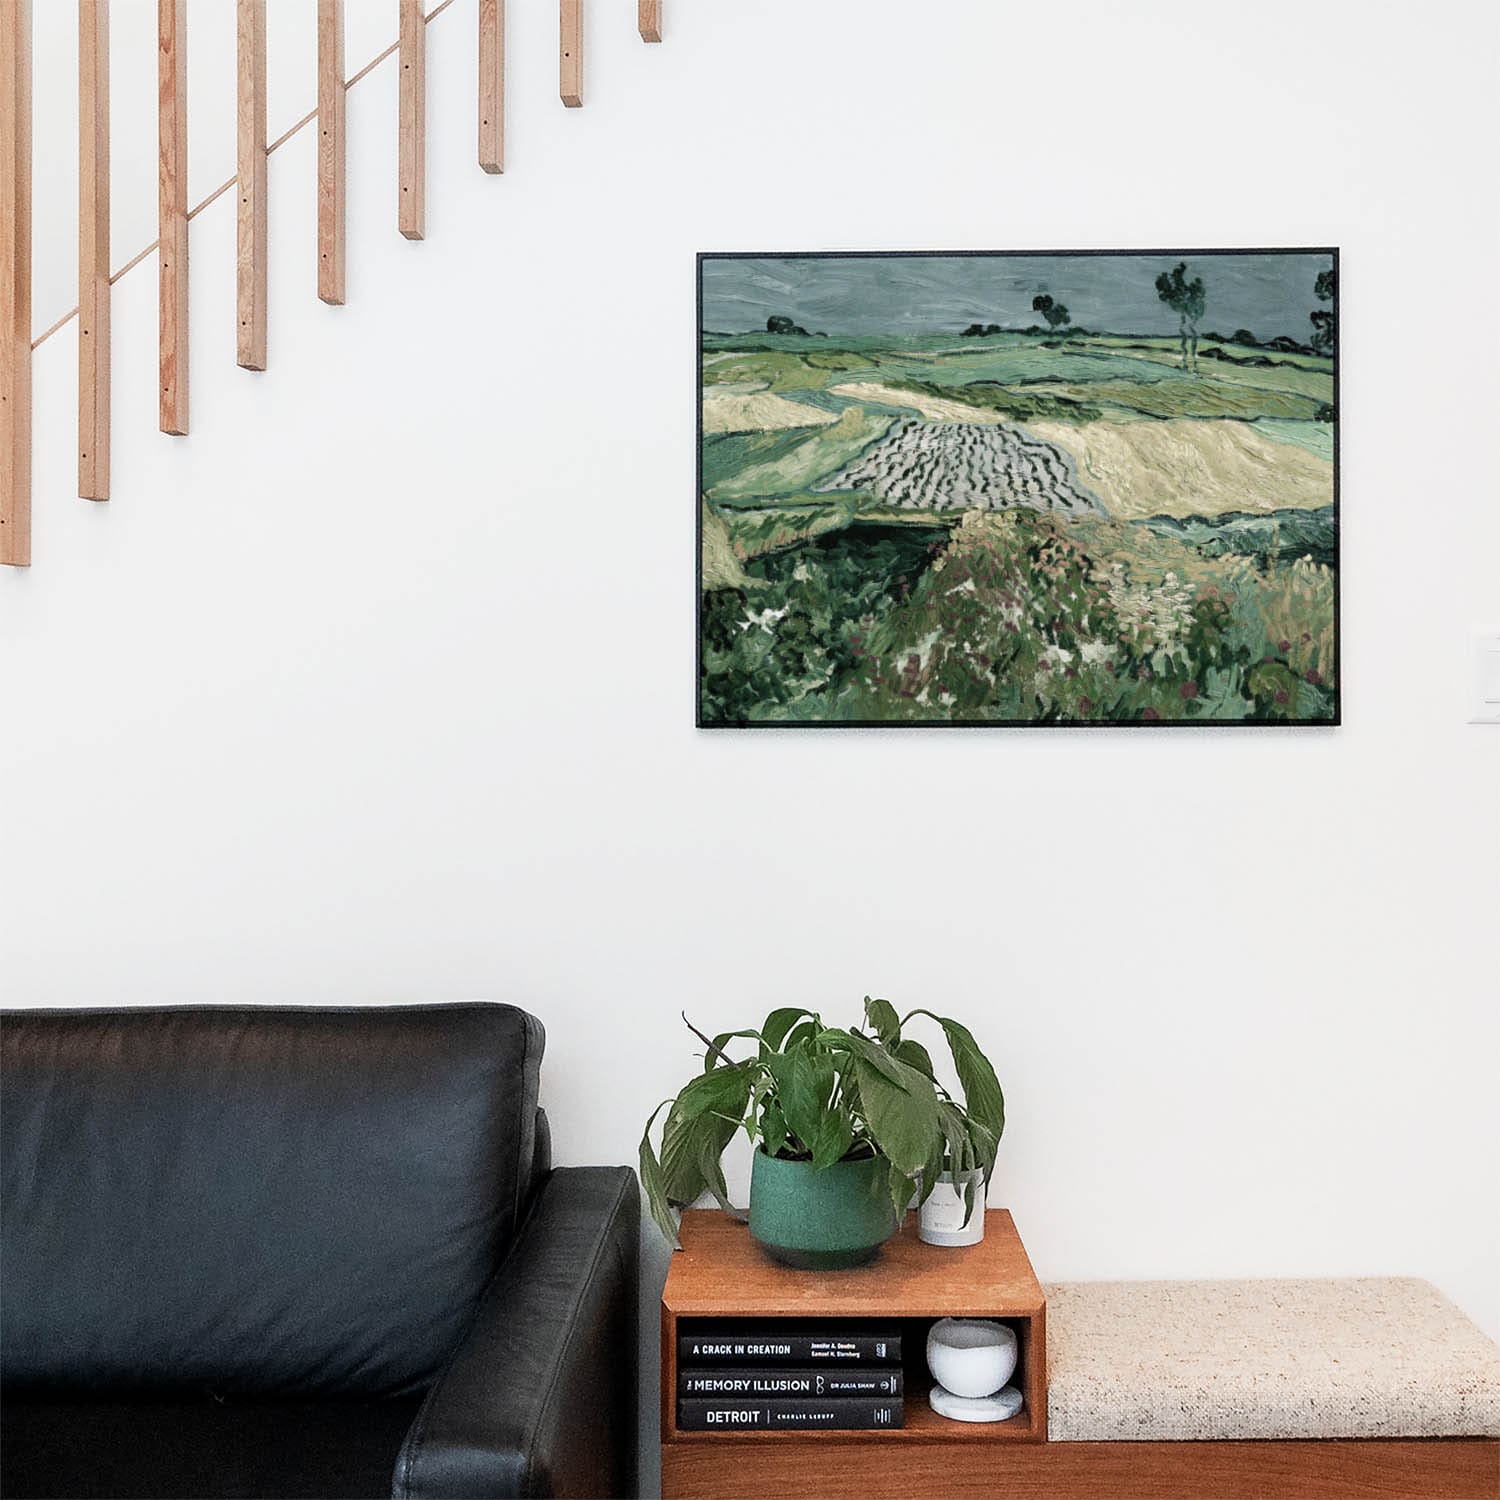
254	1200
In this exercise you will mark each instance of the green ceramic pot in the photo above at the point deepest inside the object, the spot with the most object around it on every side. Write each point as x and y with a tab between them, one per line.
821	1221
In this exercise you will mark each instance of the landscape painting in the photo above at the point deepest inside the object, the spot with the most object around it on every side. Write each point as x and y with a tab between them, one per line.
1020	489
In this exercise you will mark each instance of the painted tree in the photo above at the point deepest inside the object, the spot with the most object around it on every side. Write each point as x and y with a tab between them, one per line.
1052	310
1187	299
1325	320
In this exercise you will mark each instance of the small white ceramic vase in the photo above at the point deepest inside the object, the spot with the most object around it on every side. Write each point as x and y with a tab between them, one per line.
940	1220
971	1357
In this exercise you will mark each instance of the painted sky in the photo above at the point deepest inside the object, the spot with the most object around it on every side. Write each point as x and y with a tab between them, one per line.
1271	294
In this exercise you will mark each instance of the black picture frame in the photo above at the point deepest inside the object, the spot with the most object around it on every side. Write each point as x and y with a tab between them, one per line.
1055	726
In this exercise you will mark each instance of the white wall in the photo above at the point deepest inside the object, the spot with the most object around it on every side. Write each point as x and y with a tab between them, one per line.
378	686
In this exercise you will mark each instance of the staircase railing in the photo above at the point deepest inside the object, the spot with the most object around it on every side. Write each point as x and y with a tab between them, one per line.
174	214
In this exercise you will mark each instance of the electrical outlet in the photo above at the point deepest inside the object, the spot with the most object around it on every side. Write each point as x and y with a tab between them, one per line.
1484	700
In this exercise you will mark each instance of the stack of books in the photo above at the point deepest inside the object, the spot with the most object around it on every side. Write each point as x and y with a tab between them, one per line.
824	1377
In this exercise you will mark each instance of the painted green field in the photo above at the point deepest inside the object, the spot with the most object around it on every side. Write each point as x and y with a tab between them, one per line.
1015	528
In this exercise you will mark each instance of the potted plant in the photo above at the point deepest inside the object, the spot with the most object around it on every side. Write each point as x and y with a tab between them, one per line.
846	1125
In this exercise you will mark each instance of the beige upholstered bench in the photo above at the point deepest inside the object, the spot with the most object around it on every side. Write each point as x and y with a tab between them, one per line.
1269	1388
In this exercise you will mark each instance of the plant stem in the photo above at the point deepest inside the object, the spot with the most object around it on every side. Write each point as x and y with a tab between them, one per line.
717	1051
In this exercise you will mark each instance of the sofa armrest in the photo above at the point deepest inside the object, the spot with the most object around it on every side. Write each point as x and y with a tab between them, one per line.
540	1398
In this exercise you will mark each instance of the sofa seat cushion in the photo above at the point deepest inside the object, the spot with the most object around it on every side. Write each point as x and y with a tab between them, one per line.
1163	1360
335	1450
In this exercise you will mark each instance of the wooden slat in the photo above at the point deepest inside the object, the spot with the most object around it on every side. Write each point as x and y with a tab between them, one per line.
250	156
570	52
894	1466
648	20
331	151
172	212
15	282
93	249
492	85
412	50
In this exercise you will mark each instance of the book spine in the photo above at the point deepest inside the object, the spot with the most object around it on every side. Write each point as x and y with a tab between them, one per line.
846	1413
817	1382
792	1349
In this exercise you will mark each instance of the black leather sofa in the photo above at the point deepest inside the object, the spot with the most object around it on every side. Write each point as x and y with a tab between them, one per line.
304	1252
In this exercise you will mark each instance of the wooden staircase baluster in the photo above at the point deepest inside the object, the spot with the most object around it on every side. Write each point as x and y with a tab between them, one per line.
492	85
331	108
570	52
251	222
412	150
15	282
93	250
172	213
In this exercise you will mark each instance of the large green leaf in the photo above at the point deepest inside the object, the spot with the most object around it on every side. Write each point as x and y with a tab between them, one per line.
873	1055
957	1147
914	1055
654	1182
900	1186
804	1088
985	1146
761	1089
970	1149
932	1169
881	1016
700	1125
682	1177
833	1137
722	1091
851	1103
778	1023
803	1031
902	1117
982	1094
709	1151
773	1128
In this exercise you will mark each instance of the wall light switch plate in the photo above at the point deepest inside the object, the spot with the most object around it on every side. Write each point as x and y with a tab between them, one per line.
1484	701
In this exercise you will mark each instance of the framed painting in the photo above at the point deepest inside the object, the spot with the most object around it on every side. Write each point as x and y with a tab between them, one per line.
1018	489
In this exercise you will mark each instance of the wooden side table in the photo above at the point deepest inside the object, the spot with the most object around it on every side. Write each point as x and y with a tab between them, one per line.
721	1273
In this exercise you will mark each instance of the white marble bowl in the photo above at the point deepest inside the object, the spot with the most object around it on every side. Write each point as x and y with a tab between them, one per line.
971	1356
